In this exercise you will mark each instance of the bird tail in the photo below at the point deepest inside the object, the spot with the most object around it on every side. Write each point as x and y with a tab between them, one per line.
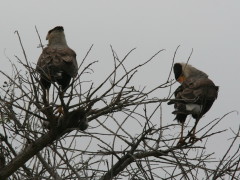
181	118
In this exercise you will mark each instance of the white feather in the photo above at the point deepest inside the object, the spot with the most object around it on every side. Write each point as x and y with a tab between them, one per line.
194	108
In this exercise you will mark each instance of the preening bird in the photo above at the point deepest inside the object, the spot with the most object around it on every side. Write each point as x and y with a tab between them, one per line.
57	63
195	96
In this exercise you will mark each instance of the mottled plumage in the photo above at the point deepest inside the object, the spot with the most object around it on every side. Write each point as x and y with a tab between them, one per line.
194	96
57	63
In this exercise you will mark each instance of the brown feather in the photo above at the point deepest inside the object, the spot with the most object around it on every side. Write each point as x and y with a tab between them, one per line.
195	96
198	89
63	59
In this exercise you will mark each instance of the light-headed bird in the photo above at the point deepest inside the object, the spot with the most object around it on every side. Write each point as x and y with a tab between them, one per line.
57	63
194	96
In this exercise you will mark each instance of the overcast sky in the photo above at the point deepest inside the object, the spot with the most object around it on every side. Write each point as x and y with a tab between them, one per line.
210	28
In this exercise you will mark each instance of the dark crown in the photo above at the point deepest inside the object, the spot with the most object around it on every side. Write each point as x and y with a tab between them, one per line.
177	70
57	28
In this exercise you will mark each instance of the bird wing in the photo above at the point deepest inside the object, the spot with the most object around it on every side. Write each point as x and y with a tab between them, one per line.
59	59
198	89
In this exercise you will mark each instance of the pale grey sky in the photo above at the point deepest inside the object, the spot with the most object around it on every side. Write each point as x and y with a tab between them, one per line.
211	28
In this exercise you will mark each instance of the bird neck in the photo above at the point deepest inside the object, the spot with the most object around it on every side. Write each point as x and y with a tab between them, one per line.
190	71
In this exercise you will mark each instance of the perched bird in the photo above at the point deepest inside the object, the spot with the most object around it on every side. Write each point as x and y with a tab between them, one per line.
194	96
57	63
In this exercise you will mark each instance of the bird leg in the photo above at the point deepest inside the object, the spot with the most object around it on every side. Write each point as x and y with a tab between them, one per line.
181	140
60	109
193	137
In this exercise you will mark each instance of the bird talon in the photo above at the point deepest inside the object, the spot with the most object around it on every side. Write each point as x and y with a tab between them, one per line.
59	110
194	139
181	142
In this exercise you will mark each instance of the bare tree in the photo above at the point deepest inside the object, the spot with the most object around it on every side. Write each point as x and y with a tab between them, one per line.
38	143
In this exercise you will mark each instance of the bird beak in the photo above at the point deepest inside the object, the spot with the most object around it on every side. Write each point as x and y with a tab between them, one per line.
181	79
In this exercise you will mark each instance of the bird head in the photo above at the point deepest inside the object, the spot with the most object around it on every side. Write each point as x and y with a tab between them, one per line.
56	36
178	72
182	71
54	31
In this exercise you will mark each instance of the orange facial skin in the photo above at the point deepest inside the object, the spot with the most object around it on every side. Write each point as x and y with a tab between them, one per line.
181	79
